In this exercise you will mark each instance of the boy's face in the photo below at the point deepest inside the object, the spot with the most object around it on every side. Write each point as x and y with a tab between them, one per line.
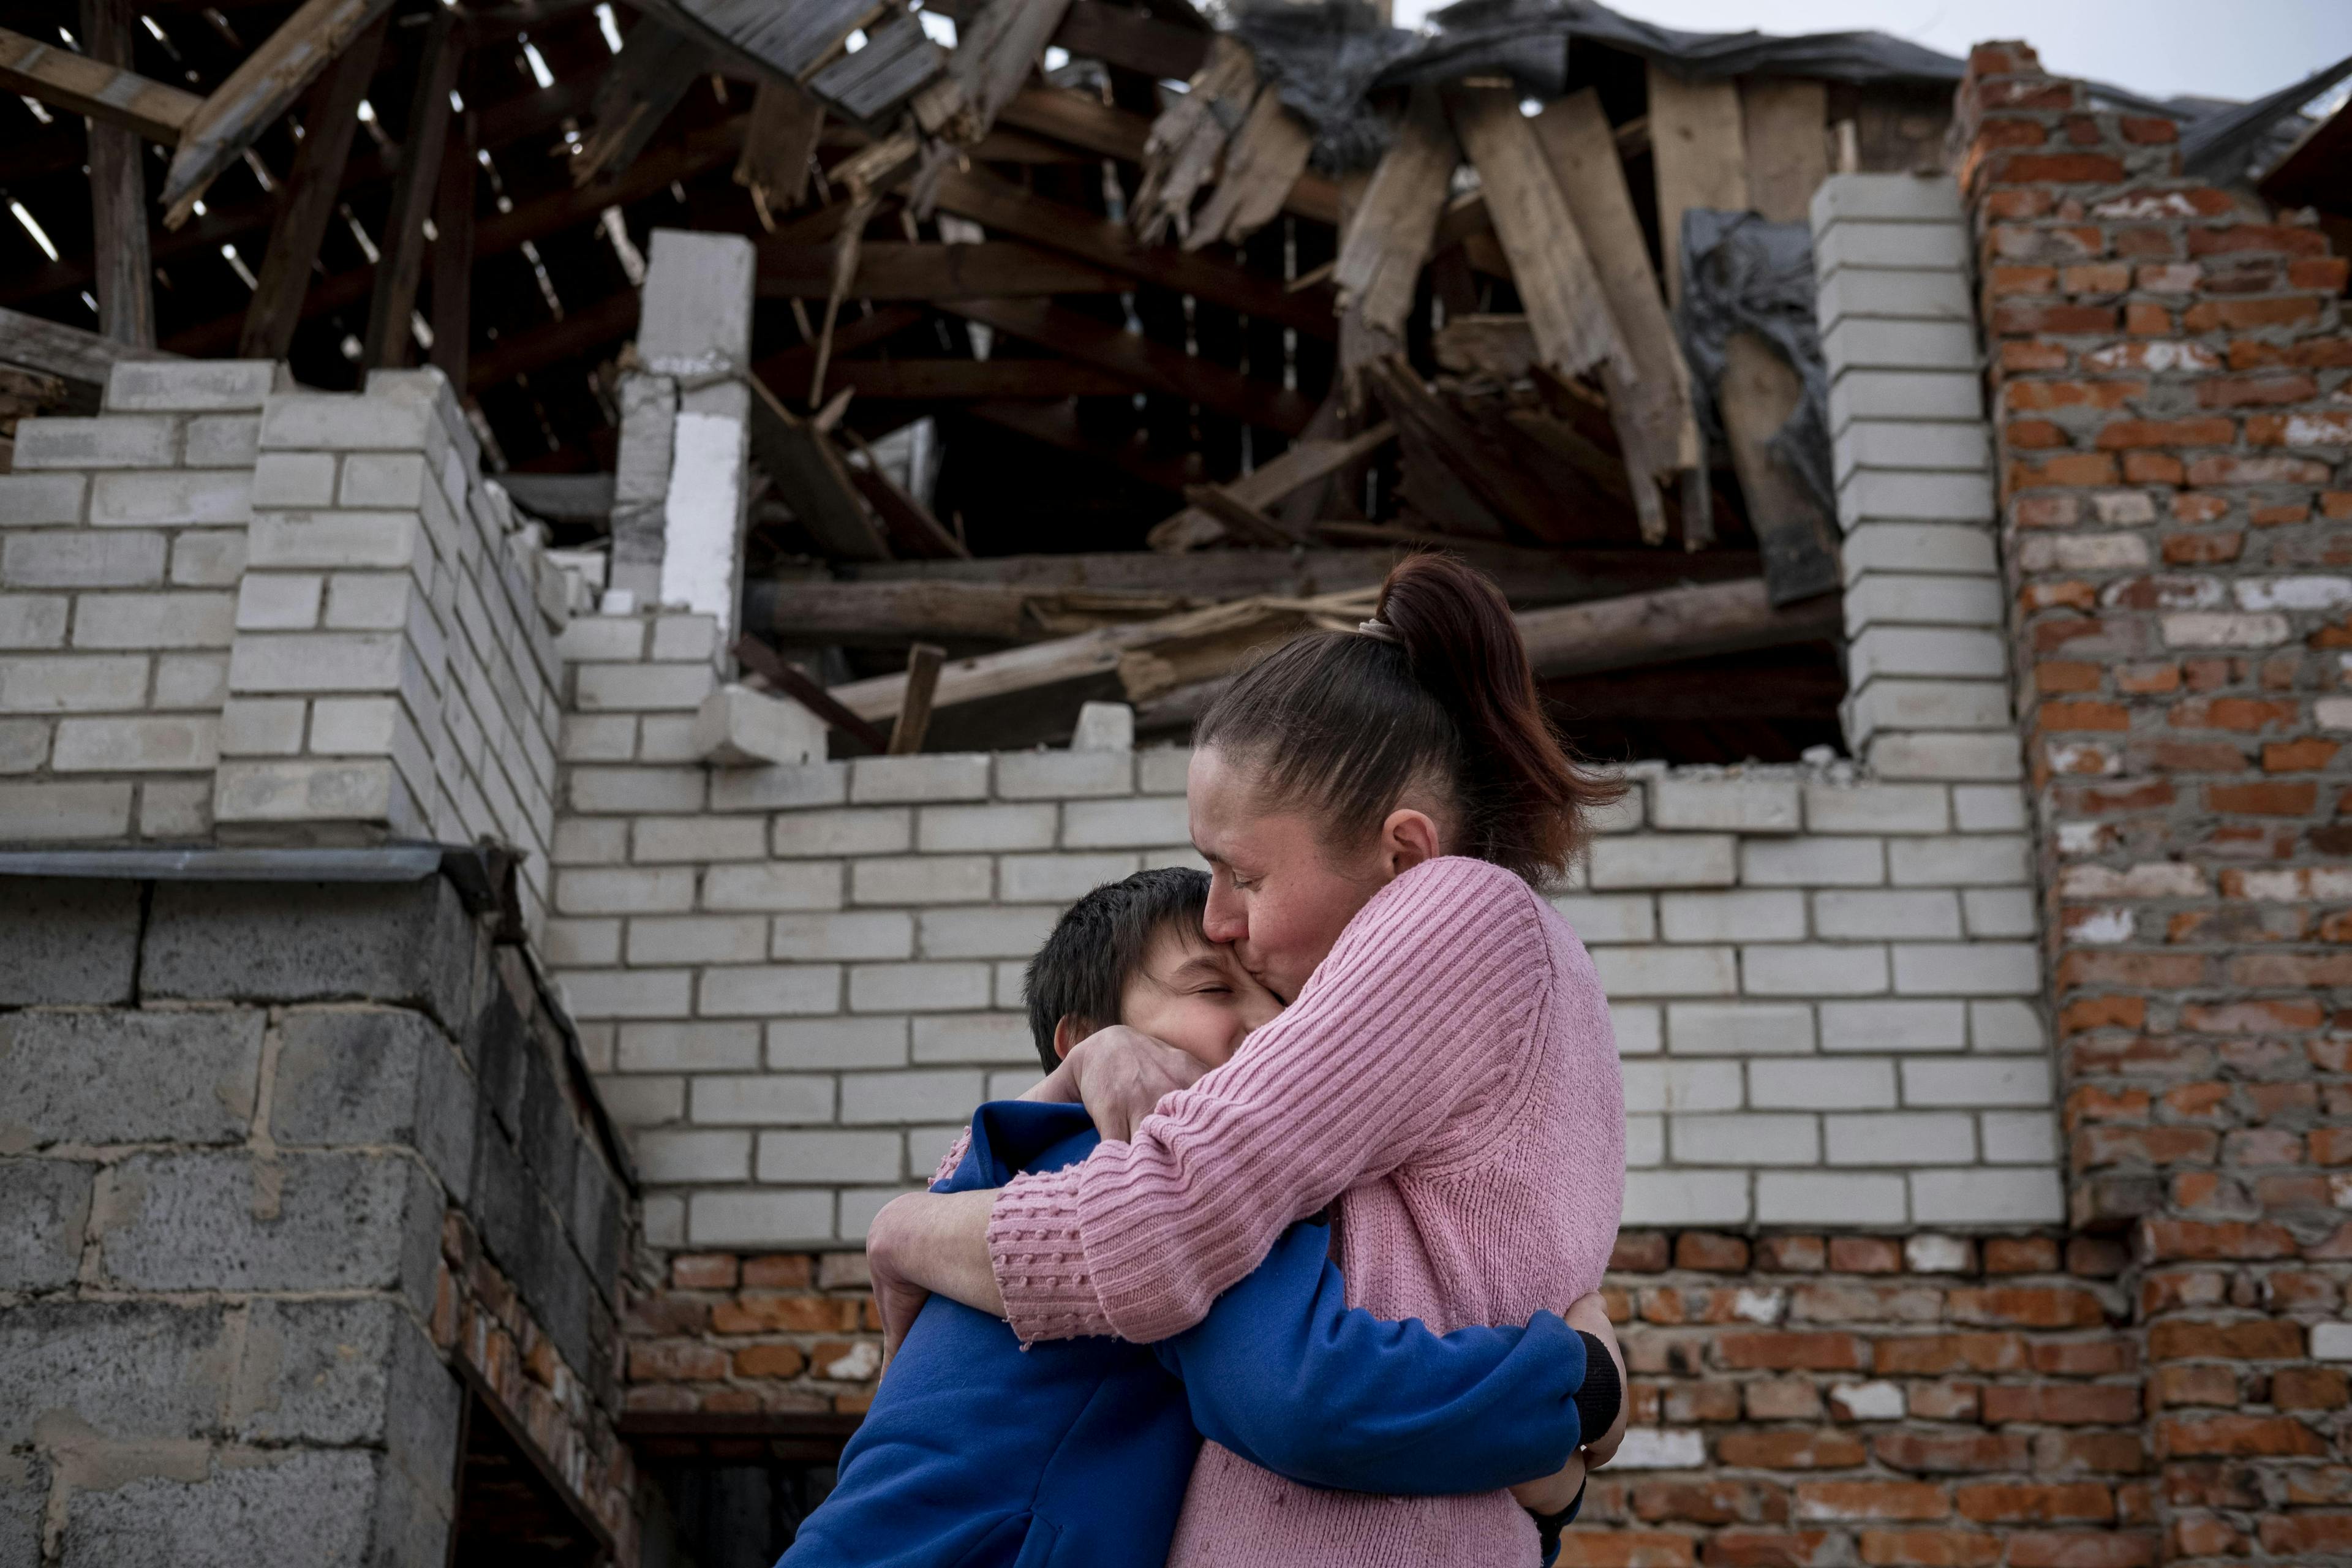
1196	996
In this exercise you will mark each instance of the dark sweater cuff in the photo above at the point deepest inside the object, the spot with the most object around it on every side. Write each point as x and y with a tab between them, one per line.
1549	1525
1597	1402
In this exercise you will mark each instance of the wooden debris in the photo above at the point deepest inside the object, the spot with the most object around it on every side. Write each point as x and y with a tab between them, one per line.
997	48
1501	347
763	661
898	61
779	148
923	662
1268	485
1236	516
1784	126
1188	139
1449	464
1701	158
913	531
1390	231
812	479
1264	160
81	85
892	269
118	191
1758	392
81	359
888	614
1079	120
1675	624
393	299
654	68
264	85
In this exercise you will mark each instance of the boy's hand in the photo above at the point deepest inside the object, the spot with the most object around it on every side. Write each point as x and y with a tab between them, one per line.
1553	1493
1589	1314
1122	1074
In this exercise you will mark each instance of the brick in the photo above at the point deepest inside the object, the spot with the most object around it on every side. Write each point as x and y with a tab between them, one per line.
109	441
155	620
1725	805
1863	914
689	1047
766	1099
1062	775
33	620
1876	808
1666	971
1898	1140
82	559
936	777
1908	1025
786	886
923	880
633	890
1812	861
1711	1029
956	828
1813	970
179	499
768	990
1745	1140
880	831
1791	1198
72	683
782	788
127	745
1754	915
1608	918
1645	860
643	687
881	933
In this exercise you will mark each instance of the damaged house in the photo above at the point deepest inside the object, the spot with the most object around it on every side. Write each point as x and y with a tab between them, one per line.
579	584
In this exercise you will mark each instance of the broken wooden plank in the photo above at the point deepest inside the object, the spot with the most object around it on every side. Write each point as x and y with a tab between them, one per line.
1700	154
913	531
264	85
1236	517
913	721
997	48
1461	455
1757	393
889	613
891	269
306	204
79	85
118	191
1656	422
779	148
1557	287
1500	347
763	661
1303	463
811	478
1674	623
655	66
1182	150
397	273
1263	162
868	88
83	360
1784	129
1390	232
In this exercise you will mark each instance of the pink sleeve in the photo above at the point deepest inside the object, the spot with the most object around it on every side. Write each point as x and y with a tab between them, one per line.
953	1158
1428	998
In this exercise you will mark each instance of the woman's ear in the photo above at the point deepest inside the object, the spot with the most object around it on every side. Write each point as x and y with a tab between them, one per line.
1065	1035
1407	838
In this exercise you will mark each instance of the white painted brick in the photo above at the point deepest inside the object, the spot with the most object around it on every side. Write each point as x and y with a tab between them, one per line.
294	478
583	944
1812	861
1064	775
1117	824
948	828
1876	808
698	939
1744	1140
768	1099
999	930
604	688
1894	1025
1800	1197
355	726
764	991
1599	918
1666	971
1748	915
263	726
2331	1342
591	841
1645	1141
1899	292
626	992
975	1037
180	499
155	620
1865	343
757	1219
1885	703
1984	1080
618	891
33	620
665	1217
1656	1086
1982	1196
1104	727
192	385
208	558
1972	651
58	813
190	680
1903	394
1744	805
109	441
1876	913
80	559
1161	770
1012	984
873	933
2020	1137
334	540
673	1047
384	478
917	987
1890	598
595	789
222	441
783	788
871	1042
1979	860
677	1156
1987	757
1989	808
660	838
345	420
127	745
1812	970
23	744
945	775
830	1156
279	601
316	661
1849	1083
642	1101
1962	548
1705	1028
1629	813
1677	1197
1159	859
1895	1139
1999	911
921	880
371	601
1637	1028
72	683
685	639
1059	878
31	499
933	1095
1663	860
1900	197
598	737
885	830
598	640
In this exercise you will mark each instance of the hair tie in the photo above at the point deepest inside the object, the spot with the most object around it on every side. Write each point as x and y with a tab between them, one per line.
1379	630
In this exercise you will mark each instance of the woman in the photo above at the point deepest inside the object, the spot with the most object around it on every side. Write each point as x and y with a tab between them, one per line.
1374	807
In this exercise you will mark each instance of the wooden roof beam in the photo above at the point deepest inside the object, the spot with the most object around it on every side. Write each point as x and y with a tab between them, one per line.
79	85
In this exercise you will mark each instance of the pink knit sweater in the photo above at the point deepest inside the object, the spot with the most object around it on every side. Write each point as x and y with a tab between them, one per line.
1449	1077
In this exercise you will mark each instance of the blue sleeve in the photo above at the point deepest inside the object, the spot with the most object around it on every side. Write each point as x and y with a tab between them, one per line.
1285	1374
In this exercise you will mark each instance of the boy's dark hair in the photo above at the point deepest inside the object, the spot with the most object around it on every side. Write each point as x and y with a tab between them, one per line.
1100	945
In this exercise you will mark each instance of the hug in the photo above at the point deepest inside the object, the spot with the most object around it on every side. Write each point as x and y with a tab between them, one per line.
1292	1257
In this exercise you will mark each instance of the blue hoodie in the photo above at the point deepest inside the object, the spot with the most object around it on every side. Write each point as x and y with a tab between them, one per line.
1077	1452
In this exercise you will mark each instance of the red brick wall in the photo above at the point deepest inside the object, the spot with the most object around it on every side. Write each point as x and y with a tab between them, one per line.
2168	379
734	1334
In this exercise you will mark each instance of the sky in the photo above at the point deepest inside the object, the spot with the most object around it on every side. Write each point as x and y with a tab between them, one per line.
2240	50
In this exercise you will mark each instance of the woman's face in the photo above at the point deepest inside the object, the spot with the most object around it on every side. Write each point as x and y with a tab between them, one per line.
1276	891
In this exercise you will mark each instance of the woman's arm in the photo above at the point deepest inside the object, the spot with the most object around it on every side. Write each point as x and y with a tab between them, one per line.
1429	999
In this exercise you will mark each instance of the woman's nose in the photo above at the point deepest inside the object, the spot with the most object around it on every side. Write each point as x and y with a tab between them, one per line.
1224	919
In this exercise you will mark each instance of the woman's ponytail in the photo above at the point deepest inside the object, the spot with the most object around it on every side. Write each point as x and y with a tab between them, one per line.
1436	693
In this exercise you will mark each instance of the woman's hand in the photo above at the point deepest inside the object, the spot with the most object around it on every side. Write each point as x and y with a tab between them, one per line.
896	1297
1591	1315
1122	1075
925	1242
1553	1493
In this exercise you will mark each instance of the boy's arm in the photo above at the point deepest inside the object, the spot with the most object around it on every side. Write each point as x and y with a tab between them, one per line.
1285	1373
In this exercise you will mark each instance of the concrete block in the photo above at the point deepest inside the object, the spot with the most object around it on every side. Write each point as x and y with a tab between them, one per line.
64	813
607	688
675	1156
115	441
33	620
686	638
1603	918
1666	971
1639	1029
1992	1081
815	1155
160	387
1677	1197
1664	1086
1999	911
940	776
68	941
697	939
325	1498
1813	861
1735	805
993	1037
350	422
779	788
1744	1139
997	931
687	1047
1705	1028
1663	860
1059	878
28	501
598	738
403	943
365	794
129	1077
758	1219
655	839
1746	915
922	880
155	620
134	1371
1146	822
179	499
1799	1197
2006	1025
1861	914
1989	808
23	744
1812	970
192	680
317	661
1868	392
222	441
765	1100
1645	1141
783	886
82	559
1982	1196
603	639
1886	1138
341	1222
1911	242
580	944
385	478
2020	1137
1985	757
796	1044
736	726
316	1372
127	745
348	541
1792	1084
963	829
764	991
47	1203
638	789
1906	704
294	480
931	1095
883	830
1872	548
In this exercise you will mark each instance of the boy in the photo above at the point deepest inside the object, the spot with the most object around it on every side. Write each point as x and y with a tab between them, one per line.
978	1452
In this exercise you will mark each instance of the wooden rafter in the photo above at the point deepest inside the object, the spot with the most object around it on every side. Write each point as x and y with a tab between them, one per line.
118	191
897	271
393	298
81	85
